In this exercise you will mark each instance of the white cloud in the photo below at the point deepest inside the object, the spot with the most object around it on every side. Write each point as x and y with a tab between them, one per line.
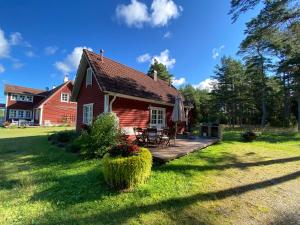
71	62
136	14
30	54
163	11
144	58
216	51
16	38
4	45
165	59
50	50
178	82
168	34
17	65
2	69
207	84
133	14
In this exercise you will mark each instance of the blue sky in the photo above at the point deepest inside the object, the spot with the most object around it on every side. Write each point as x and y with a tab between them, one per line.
40	41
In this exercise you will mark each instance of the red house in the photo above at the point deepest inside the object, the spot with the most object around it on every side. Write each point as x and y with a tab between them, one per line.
139	100
40	107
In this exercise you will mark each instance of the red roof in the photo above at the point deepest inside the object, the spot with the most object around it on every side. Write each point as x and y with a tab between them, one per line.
24	90
118	78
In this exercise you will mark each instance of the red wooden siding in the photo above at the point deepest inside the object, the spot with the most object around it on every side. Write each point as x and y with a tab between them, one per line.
11	104
90	94
133	113
57	112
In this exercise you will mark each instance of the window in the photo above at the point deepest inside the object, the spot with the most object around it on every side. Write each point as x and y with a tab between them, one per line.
89	77
28	114
157	117
12	113
22	98
14	97
29	98
88	114
64	97
20	114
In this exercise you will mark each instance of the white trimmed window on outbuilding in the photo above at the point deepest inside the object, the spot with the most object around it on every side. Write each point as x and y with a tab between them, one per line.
64	97
87	114
89	77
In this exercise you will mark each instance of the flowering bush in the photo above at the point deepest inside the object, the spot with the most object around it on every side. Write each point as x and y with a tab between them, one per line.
124	150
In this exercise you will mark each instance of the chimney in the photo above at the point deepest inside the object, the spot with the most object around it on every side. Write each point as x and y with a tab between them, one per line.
154	75
101	54
66	78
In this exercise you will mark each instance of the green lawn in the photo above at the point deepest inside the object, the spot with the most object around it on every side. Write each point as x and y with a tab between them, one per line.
228	183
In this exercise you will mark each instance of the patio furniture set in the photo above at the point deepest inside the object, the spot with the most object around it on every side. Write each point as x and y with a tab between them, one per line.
153	137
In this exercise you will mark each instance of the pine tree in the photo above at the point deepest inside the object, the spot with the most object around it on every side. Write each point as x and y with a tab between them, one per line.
161	69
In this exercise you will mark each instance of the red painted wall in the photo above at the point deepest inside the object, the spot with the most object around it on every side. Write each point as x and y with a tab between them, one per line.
58	112
133	113
90	94
11	104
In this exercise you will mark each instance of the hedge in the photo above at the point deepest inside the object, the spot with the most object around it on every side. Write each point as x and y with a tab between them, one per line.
127	172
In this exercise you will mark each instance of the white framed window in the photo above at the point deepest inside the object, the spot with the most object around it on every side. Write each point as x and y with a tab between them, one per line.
14	97
157	117
29	98
64	97
87	114
28	114
22	98
20	114
12	113
89	77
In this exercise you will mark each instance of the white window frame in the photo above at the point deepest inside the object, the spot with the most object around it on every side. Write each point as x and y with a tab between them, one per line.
14	97
14	114
17	97
158	125
89	118
62	97
89	77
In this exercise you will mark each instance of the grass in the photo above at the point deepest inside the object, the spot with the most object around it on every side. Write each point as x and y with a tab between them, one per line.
228	183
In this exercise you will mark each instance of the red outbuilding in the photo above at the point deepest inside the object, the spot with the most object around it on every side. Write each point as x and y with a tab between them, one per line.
139	100
40	107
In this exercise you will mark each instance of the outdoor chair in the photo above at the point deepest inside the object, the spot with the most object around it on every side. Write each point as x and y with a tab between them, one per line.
165	137
152	136
139	135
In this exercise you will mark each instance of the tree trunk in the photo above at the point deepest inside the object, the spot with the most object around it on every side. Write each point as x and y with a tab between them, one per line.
264	112
298	101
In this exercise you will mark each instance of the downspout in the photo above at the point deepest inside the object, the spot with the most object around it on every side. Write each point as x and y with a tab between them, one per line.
111	102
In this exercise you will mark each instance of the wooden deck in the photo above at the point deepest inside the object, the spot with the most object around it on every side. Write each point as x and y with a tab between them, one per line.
182	147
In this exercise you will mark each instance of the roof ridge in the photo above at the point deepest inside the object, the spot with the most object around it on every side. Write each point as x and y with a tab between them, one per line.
37	89
123	64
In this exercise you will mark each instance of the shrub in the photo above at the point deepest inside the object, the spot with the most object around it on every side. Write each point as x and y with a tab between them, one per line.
124	150
63	138
127	172
249	136
102	135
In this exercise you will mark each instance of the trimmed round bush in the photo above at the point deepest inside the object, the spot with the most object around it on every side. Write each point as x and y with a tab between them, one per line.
127	172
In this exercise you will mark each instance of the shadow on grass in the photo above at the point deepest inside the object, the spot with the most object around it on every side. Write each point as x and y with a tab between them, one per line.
239	165
48	166
269	137
122	215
